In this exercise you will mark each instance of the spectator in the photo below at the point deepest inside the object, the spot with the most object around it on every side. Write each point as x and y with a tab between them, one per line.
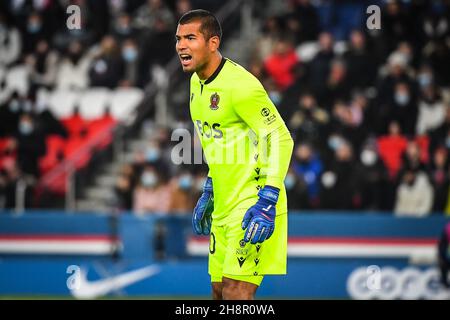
308	168
319	67
149	13
404	108
42	65
441	135
296	190
336	86
439	173
308	20
124	193
182	186
106	68
431	110
281	63
373	179
360	62
35	31
73	70
30	145
265	44
339	180
414	194
309	121
130	60
153	194
122	28
10	42
9	115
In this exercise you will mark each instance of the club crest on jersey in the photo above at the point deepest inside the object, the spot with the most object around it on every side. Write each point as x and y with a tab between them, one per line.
214	100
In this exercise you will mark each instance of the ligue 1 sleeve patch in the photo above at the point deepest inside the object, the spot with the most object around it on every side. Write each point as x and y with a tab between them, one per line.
269	117
214	100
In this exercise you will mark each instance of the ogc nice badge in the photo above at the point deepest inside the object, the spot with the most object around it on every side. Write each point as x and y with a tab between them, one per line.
214	101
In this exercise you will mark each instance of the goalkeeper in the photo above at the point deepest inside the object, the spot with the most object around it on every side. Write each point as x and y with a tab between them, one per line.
248	150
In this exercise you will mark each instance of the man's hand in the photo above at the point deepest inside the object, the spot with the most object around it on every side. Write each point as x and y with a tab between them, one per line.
201	219
260	218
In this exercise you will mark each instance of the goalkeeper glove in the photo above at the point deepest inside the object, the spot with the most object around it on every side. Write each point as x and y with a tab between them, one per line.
260	218
201	219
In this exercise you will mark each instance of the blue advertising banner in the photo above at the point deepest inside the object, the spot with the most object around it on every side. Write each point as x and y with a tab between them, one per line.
330	255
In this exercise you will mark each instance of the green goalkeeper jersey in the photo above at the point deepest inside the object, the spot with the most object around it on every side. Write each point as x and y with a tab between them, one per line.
243	139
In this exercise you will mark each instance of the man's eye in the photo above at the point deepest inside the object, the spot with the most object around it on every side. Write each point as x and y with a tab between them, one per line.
191	38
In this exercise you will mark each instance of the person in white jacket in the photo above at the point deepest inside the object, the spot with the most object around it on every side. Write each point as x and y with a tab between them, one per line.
414	195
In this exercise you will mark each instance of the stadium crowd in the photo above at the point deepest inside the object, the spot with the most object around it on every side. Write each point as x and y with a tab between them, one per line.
369	110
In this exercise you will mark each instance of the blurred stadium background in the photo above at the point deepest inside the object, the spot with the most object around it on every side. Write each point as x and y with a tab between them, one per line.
91	204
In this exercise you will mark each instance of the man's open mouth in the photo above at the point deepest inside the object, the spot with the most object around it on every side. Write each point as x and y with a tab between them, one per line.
185	58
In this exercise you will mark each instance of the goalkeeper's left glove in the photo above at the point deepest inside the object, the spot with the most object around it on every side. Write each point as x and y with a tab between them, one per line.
260	218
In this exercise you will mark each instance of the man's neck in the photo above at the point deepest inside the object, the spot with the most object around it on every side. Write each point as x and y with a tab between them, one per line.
211	67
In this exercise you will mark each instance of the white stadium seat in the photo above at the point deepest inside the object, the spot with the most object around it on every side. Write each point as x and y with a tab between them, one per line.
93	102
62	102
124	101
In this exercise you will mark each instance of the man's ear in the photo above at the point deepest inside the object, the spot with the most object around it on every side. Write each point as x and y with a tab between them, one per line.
214	43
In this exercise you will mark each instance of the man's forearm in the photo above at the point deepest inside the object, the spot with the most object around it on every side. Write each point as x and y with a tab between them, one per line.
279	151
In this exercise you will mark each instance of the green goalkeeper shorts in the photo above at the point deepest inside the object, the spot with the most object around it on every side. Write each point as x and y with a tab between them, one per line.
231	257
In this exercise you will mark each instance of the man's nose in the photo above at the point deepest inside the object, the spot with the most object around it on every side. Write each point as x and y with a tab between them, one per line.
181	45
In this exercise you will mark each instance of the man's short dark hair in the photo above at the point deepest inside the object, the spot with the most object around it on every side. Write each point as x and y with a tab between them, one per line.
209	27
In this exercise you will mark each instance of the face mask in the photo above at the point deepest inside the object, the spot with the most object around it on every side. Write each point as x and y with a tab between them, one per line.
334	142
289	181
25	127
368	157
402	99
33	27
149	179
129	54
152	154
124	30
424	80
447	142
275	96
185	182
328	179
14	106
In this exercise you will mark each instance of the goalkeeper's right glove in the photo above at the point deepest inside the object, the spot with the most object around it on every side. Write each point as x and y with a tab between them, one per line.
201	219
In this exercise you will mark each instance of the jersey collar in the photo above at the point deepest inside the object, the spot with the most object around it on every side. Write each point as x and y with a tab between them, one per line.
216	73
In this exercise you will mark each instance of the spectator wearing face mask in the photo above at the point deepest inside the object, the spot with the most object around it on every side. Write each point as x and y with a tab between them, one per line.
373	179
130	60
34	32
296	190
339	180
182	193
404	108
122	28
152	195
30	145
106	69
